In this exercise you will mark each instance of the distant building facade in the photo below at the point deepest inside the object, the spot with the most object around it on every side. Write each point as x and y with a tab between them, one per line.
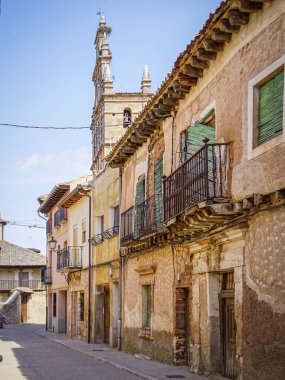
22	296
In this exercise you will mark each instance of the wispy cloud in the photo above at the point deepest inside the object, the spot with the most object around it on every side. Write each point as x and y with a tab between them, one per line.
69	161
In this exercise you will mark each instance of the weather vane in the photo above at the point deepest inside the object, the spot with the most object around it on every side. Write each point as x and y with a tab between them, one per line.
100	13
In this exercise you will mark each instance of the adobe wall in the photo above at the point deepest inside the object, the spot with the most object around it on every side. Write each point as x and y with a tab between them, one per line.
36	308
264	297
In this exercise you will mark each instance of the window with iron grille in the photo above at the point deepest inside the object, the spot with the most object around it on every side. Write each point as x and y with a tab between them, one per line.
81	306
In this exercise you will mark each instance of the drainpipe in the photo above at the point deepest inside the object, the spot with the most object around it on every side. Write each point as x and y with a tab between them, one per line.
46	267
89	266
120	268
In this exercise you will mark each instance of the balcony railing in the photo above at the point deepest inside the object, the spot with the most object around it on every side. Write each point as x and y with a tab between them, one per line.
97	239
46	275
49	227
127	225
202	177
12	284
69	258
149	216
113	231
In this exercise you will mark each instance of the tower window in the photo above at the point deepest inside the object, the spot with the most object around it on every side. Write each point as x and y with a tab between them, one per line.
127	118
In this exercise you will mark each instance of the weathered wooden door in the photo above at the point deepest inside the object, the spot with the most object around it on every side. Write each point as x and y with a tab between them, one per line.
24	308
181	326
74	314
24	279
228	328
106	314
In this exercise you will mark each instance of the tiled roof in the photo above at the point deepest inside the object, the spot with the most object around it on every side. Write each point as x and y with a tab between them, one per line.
13	255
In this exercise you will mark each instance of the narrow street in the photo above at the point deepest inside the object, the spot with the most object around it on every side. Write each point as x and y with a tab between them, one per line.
29	356
30	352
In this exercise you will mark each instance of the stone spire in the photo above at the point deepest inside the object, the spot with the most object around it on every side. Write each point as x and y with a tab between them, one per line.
102	77
146	81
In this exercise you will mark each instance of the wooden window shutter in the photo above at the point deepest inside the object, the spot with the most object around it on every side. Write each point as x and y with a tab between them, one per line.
148	305
270	108
139	217
195	136
158	202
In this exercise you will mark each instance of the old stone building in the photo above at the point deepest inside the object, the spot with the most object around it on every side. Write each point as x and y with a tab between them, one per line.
22	296
113	113
203	189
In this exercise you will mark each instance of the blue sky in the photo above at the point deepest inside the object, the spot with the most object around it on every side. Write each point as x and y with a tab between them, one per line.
47	59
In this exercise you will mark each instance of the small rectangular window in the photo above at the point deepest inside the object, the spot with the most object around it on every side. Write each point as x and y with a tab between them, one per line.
81	306
146	306
83	231
54	304
116	216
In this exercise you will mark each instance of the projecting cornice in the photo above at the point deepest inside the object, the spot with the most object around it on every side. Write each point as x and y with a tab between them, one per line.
189	67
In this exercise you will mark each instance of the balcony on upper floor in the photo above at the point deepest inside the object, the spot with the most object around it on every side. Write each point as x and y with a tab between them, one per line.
46	275
12	284
69	258
203	177
142	220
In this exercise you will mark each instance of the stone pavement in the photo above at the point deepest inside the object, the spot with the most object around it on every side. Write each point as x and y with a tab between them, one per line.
141	367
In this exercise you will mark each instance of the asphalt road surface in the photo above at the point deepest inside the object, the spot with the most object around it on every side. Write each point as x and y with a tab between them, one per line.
29	356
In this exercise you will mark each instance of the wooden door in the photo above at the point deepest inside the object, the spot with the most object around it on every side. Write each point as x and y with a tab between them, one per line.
24	279
228	328
181	328
24	311
106	314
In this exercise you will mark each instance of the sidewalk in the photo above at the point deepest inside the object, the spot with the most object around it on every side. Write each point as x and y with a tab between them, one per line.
144	368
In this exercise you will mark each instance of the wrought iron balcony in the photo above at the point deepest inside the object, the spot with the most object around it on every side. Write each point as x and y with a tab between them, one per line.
201	178
127	225
12	284
69	258
46	275
49	227
149	216
97	239
113	231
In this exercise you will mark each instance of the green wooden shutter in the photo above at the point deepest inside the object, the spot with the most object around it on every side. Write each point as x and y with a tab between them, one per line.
195	136
158	203
140	197
270	108
148	305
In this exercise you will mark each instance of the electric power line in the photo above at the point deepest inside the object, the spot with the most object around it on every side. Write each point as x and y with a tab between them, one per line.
59	128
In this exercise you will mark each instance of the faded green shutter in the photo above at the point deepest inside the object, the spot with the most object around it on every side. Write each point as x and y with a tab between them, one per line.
158	203
140	197
148	305
195	136
270	108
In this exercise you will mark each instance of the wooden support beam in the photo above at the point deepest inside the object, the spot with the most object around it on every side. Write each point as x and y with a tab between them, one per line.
206	55
165	107
225	26
160	113
249	6
219	36
185	80
192	71
200	64
170	101
172	94
237	18
212	45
